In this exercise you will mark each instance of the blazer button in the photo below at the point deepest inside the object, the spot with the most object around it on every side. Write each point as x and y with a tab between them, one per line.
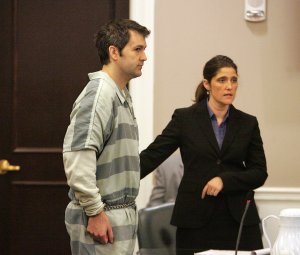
219	161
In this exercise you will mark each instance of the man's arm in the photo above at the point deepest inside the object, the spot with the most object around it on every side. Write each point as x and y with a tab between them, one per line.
80	169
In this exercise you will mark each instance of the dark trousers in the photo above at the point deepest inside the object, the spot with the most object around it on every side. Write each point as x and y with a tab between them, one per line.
220	233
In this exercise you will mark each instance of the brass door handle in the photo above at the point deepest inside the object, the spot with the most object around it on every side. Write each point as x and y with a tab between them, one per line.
5	167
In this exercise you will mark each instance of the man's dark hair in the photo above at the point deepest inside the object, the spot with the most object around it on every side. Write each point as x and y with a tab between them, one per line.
116	33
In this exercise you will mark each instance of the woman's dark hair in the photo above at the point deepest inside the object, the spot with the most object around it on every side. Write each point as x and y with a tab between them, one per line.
210	69
116	33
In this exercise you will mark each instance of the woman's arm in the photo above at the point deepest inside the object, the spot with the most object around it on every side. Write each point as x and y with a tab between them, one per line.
162	147
254	174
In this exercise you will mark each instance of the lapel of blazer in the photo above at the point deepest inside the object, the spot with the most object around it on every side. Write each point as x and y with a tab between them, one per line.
202	117
233	125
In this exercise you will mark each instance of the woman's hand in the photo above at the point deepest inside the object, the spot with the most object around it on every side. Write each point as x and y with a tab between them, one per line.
213	187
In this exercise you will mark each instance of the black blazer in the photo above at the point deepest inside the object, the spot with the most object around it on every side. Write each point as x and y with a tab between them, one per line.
240	163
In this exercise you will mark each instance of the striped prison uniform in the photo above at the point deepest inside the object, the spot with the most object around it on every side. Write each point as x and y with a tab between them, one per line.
101	161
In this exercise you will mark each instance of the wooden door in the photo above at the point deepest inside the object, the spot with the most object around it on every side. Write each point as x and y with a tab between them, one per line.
46	51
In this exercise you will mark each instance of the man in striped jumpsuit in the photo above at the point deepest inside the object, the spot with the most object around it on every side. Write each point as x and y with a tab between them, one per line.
100	151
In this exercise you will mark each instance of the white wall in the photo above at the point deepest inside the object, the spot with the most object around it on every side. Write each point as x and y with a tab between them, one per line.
141	90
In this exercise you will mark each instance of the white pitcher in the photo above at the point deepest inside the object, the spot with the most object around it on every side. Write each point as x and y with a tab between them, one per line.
288	238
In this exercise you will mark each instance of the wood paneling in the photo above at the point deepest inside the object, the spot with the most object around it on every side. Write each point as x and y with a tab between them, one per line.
47	50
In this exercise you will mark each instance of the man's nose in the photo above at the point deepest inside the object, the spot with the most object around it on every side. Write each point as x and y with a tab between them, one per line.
144	56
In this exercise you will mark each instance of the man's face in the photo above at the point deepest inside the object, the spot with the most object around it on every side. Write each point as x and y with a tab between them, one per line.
132	58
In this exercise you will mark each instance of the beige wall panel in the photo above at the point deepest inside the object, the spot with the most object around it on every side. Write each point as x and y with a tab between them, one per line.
188	33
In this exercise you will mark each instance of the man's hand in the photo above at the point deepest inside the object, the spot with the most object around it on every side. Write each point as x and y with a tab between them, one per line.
213	187
100	229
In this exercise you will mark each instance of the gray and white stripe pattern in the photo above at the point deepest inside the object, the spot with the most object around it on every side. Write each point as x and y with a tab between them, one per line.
102	120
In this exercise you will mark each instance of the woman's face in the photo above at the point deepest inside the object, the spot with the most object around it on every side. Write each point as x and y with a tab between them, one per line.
222	88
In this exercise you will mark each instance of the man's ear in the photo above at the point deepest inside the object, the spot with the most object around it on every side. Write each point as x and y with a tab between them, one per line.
113	52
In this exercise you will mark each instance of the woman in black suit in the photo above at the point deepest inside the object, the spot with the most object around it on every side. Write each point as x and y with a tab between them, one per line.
223	157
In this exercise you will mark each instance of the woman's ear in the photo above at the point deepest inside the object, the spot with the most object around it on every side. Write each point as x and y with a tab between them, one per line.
206	84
